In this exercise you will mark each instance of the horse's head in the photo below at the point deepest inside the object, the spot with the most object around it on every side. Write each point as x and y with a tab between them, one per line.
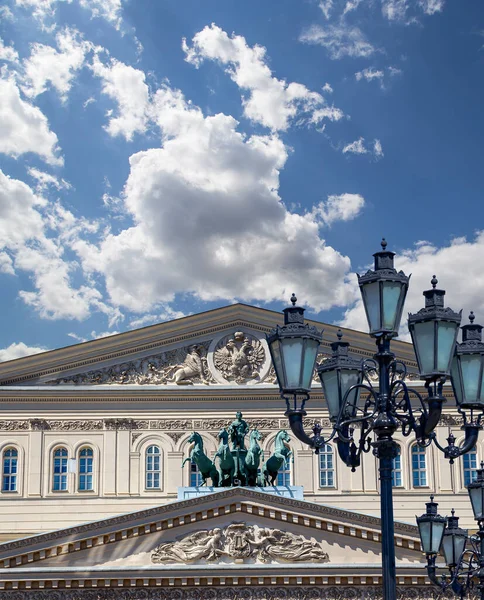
283	436
255	434
223	435
195	438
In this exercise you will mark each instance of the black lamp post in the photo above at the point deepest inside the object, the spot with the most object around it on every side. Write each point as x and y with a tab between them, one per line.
365	417
463	553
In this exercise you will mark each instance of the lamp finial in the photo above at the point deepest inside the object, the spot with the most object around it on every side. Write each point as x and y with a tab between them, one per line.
434	281
384	244
293	299
472	316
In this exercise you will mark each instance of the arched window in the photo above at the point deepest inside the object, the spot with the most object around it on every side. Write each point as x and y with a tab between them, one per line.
153	468
397	469
59	483
86	460
326	466
284	475
419	466
195	475
10	468
469	463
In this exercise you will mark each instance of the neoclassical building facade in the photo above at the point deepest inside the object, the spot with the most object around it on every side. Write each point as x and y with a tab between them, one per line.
92	441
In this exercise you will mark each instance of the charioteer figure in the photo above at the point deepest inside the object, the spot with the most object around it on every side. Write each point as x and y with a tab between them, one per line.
237	430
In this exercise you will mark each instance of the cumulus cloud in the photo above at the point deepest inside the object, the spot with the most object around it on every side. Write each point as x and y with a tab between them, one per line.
19	349
254	249
450	263
8	53
168	314
26	220
127	87
46	65
23	127
359	147
343	207
272	102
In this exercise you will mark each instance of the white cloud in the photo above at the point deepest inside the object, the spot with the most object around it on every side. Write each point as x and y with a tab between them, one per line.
326	6
370	74
45	10
8	53
106	9
430	7
340	40
168	314
394	10
344	207
46	65
25	222
272	102
17	350
451	264
351	5
254	248
359	147
393	71
356	147
23	127
377	149
45	181
327	88
6	14
127	87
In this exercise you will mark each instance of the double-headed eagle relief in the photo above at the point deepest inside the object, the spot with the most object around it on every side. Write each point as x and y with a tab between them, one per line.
239	358
240	542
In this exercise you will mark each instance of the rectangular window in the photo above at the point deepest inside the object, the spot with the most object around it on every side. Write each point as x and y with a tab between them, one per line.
10	465
397	471
326	467
419	467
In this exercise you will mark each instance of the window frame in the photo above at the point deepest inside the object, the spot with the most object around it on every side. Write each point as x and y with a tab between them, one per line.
11	448
323	454
63	473
398	470
85	474
152	471
419	469
465	457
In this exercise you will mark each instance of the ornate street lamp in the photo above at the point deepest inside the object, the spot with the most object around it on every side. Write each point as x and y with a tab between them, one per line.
463	553
365	416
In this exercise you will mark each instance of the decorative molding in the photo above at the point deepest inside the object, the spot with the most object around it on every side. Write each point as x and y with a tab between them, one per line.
241	543
328	591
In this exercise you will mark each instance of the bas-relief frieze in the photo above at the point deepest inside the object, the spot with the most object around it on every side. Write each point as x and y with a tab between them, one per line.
240	543
300	592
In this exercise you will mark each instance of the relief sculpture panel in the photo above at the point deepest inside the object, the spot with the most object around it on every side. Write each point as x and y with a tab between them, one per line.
239	542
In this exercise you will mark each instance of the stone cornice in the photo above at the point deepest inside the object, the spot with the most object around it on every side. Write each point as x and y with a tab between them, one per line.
232	501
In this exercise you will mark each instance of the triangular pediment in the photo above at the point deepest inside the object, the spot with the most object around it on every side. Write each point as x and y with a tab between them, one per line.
221	347
233	527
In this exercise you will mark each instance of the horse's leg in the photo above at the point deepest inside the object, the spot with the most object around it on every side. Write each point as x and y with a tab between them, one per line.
186	460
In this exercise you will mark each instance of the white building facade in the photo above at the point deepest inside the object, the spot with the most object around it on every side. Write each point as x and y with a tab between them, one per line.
101	429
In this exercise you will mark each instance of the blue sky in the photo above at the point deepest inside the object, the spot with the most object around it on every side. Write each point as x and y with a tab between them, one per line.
163	157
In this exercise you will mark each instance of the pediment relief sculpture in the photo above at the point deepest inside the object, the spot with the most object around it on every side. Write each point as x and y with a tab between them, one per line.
239	542
239	357
181	366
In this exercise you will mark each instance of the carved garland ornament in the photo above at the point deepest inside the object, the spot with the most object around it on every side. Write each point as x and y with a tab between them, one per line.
240	542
